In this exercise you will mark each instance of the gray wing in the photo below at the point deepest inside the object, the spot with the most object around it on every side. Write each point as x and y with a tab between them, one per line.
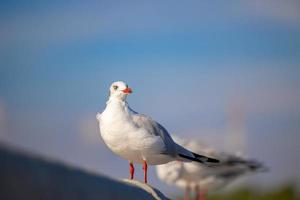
155	129
171	147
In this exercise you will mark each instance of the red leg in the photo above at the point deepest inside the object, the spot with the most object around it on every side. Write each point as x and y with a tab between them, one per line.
201	195
187	193
145	168
131	170
198	196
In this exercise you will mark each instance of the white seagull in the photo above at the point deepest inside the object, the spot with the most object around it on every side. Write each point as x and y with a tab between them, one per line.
200	178
136	137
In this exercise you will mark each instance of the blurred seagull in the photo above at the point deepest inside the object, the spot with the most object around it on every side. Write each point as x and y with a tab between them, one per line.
136	137
200	178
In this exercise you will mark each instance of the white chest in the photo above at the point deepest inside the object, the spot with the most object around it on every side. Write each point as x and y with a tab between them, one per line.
115	126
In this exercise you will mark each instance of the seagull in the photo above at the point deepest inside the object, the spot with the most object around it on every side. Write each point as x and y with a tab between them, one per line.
138	138
200	178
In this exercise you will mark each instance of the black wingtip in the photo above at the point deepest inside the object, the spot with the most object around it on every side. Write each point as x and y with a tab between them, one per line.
206	159
191	158
200	158
212	160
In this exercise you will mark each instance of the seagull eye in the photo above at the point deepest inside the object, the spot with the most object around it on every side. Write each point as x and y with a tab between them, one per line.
115	87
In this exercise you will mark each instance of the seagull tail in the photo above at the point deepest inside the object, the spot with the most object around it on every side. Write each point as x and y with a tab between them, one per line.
256	166
253	165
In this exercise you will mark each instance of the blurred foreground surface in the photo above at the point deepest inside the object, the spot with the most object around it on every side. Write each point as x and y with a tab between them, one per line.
34	178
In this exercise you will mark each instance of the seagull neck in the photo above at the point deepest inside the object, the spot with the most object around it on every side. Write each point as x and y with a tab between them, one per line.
115	101
116	107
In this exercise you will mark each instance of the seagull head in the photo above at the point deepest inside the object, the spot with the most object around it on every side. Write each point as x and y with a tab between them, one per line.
119	90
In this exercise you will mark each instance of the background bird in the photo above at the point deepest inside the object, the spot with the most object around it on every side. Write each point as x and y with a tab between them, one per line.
202	179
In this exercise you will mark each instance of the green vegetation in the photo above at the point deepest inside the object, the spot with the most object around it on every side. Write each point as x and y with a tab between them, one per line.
287	192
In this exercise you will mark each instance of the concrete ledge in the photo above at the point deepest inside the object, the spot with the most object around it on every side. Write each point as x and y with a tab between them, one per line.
155	193
27	177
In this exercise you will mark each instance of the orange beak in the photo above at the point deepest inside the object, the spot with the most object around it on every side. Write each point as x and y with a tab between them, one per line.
127	90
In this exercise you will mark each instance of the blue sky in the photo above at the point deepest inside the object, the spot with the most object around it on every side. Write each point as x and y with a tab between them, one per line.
190	65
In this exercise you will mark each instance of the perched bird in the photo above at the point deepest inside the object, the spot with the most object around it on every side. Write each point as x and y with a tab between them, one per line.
200	178
136	137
